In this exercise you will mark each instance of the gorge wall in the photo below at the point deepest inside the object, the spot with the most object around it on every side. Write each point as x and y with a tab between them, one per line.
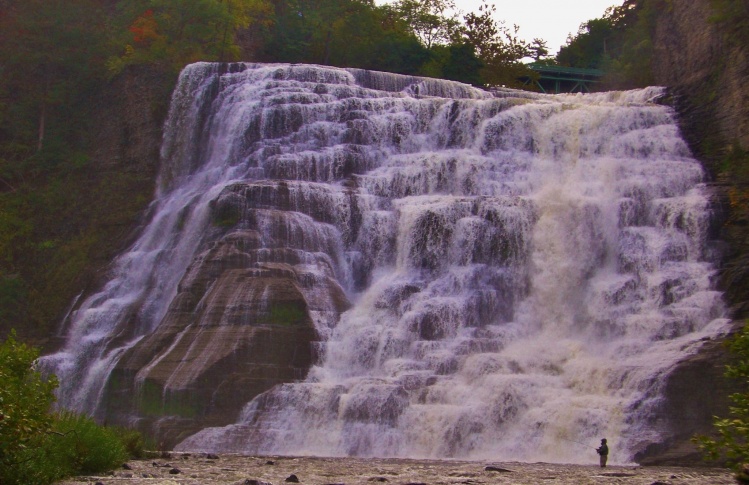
706	70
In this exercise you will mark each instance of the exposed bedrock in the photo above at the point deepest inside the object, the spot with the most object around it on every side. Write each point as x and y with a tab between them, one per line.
241	322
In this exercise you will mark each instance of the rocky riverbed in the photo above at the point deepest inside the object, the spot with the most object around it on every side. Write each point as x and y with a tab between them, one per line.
204	469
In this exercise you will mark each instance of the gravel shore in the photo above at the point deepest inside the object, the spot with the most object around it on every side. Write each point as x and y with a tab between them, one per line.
202	469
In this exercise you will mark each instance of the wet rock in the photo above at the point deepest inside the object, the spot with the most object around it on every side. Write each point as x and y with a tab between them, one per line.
292	479
254	343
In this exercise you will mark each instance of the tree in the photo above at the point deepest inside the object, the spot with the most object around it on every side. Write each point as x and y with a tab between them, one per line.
620	43
25	401
539	49
429	20
174	33
498	47
51	50
38	446
346	33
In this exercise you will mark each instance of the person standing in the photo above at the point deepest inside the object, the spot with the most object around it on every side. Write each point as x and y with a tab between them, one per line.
603	452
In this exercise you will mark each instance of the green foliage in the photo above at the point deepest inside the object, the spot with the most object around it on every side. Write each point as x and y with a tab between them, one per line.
429	20
25	400
173	33
498	47
620	43
133	441
84	446
731	443
39	447
457	62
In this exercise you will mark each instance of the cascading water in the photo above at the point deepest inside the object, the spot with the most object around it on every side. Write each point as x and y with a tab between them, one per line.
524	270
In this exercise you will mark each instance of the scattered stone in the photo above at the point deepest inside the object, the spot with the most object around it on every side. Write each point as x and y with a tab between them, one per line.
270	462
251	481
378	479
166	455
292	479
153	463
126	466
659	483
126	475
99	483
497	469
175	471
211	456
618	474
146	475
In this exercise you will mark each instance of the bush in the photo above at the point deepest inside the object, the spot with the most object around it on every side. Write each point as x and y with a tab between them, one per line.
38	447
25	401
84	446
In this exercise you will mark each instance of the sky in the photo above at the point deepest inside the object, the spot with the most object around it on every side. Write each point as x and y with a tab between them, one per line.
550	20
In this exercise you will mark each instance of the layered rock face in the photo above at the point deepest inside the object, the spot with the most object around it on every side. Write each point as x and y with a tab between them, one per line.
245	314
467	274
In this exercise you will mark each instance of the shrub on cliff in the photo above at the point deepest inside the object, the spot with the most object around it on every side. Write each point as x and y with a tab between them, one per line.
38	446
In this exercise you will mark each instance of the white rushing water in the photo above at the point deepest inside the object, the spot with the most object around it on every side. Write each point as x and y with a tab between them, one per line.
524	269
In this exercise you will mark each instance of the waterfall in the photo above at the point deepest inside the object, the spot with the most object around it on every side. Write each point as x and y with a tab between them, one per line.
489	275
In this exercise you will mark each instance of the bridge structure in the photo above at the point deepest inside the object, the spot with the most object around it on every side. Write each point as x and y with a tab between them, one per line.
558	79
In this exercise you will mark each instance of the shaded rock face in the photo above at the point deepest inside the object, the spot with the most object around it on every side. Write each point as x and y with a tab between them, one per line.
241	321
707	72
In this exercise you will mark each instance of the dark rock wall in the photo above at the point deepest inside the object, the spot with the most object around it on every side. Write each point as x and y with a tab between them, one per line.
707	73
708	70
